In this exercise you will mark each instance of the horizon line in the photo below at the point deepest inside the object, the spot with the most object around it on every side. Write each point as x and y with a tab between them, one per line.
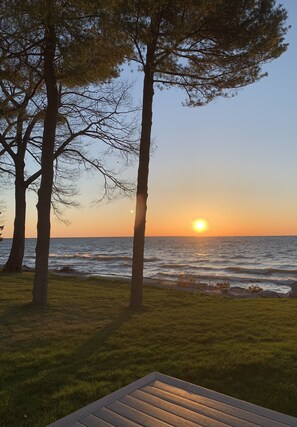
167	236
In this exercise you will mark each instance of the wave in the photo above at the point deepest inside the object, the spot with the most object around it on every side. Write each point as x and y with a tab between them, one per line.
208	270
234	280
235	270
177	266
98	257
261	271
92	257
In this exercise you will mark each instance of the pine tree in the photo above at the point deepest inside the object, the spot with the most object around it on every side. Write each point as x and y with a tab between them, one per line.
207	48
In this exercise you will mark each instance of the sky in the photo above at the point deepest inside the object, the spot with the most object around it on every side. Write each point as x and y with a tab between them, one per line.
231	163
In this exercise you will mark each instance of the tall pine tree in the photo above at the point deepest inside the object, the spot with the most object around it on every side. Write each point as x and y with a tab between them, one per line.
208	49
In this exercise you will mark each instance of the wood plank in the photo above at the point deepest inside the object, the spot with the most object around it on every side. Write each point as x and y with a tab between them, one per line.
285	420
200	407
242	414
81	413
115	419
137	416
93	421
158	413
178	410
157	386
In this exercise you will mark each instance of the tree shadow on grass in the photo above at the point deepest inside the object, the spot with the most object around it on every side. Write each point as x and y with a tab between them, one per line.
24	313
74	378
39	383
98	340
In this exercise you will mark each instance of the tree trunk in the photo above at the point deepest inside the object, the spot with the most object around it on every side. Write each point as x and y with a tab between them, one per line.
47	157
15	260
142	187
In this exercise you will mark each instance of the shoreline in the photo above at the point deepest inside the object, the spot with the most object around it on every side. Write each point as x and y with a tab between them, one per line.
220	288
244	265
184	283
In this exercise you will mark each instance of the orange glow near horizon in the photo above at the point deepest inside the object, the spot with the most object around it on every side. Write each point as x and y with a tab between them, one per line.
117	220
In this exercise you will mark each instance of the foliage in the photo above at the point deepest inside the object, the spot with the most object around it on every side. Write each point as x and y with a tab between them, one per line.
208	49
86	53
87	50
86	344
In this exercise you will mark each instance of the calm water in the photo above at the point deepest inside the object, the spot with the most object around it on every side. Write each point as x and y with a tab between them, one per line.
270	262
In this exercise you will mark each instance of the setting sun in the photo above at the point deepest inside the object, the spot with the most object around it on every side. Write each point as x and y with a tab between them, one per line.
200	225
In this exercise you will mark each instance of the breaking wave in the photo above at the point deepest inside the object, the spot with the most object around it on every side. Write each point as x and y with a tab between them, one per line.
97	257
262	271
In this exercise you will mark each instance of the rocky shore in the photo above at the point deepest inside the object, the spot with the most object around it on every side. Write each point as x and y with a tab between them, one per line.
220	288
186	283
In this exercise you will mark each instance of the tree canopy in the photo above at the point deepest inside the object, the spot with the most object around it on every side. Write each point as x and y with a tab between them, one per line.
209	49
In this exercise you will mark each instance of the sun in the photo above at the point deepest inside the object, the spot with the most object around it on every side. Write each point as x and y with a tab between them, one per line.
200	225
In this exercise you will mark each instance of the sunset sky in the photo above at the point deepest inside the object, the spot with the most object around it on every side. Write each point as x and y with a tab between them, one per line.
232	163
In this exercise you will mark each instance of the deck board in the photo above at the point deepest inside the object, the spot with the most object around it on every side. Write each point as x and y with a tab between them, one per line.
177	409
161	401
213	411
157	412
78	424
93	421
242	417
115	419
136	415
270	415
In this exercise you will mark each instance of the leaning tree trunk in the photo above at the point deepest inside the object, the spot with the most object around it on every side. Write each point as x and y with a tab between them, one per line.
15	260
47	172
142	187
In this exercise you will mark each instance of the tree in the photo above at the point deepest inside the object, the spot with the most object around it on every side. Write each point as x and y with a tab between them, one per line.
17	124
209	49
58	39
94	113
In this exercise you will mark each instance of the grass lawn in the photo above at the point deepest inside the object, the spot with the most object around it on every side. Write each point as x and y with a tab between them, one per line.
86	344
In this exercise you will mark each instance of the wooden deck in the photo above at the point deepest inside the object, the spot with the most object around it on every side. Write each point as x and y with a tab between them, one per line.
161	401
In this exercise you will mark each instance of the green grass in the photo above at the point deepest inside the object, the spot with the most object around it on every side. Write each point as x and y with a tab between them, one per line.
86	344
